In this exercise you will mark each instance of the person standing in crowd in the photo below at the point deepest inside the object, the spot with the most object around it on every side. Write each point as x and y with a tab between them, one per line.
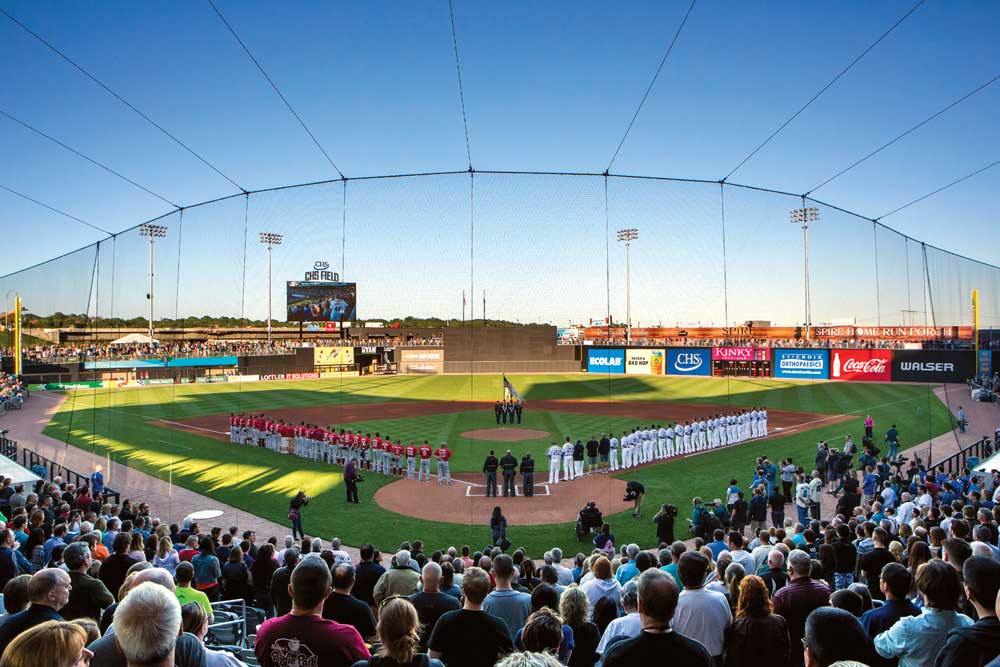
498	527
398	632
701	614
351	479
490	466
430	603
979	643
757	636
344	608
509	465
207	570
592	446
575	611
916	640
657	602
470	637
88	595
48	592
510	606
528	475
295	506
962	421
664	521
304	636
835	636
869	427
892	440
798	598
50	644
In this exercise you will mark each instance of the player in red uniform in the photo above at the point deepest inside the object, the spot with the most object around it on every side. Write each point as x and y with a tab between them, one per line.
442	454
376	453
397	458
411	460
366	452
386	448
425	463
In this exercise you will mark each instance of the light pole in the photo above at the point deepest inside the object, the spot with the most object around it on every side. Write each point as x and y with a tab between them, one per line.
804	216
269	240
152	232
628	235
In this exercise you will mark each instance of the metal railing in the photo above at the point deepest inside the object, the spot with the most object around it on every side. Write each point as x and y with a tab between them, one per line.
53	469
8	448
960	459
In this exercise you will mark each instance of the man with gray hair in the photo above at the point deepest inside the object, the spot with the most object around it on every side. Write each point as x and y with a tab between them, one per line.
627	626
339	555
88	595
48	592
400	579
628	571
430	603
657	601
565	574
147	624
798	598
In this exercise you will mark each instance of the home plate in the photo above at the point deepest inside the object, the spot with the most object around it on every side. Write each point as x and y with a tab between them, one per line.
479	490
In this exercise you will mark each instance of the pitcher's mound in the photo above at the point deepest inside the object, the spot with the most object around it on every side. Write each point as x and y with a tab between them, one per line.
505	434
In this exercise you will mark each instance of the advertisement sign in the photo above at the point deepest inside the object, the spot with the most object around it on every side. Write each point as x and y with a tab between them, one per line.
985	363
321	301
689	361
333	356
244	378
644	362
933	365
301	376
605	361
424	361
740	353
803	364
861	365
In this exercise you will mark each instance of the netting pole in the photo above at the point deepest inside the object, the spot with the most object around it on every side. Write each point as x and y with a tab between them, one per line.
343	234
930	294
725	278
472	280
906	258
607	267
243	279
878	301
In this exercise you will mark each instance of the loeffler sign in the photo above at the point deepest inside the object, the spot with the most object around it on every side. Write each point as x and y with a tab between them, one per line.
861	365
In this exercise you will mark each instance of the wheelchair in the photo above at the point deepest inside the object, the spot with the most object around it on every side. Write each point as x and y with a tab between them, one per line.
585	525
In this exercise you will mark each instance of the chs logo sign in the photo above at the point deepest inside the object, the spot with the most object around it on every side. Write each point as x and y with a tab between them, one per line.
688	361
321	272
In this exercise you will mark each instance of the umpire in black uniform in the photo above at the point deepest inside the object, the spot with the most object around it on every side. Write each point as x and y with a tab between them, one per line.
518	408
509	465
497	409
490	468
528	475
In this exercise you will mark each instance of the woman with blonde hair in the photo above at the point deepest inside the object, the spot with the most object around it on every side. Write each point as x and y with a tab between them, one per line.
166	556
50	644
137	548
399	634
574	607
757	635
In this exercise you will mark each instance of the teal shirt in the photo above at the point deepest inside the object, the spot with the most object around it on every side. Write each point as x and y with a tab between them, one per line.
672	571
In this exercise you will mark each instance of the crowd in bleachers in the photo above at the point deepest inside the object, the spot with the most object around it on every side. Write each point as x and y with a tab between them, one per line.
802	343
905	570
13	392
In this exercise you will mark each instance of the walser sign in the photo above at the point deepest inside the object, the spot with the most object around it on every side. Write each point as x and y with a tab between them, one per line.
933	365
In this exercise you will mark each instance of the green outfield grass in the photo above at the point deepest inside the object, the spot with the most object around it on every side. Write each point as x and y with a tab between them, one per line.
120	424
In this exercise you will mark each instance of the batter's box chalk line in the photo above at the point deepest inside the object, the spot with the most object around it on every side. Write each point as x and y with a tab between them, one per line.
479	490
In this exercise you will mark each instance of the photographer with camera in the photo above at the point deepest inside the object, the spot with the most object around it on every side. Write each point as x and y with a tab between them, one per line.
295	513
634	491
664	521
351	479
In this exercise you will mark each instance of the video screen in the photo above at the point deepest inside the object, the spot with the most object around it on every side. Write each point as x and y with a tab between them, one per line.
321	301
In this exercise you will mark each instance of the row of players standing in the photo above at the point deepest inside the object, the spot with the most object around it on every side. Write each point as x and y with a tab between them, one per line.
644	445
325	445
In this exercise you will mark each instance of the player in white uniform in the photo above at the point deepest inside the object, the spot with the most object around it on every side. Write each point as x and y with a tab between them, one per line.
567	462
763	423
626	451
686	447
613	454
713	441
754	427
702	436
555	456
670	440
649	444
661	443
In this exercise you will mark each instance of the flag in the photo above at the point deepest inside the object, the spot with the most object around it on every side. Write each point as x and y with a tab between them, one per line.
508	390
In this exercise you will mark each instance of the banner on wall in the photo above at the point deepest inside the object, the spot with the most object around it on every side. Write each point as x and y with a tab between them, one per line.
741	353
802	364
644	362
861	365
603	360
985	362
333	356
933	365
689	361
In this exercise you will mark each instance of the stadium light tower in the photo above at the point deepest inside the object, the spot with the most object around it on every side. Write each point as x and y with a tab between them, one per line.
269	240
628	235
152	232
804	216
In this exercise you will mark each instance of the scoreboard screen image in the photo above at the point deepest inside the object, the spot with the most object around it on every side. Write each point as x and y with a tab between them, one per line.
321	301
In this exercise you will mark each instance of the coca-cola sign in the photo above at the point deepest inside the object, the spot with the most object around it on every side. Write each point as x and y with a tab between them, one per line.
861	365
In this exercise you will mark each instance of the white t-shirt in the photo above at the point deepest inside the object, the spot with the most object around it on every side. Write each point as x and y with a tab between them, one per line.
703	615
626	626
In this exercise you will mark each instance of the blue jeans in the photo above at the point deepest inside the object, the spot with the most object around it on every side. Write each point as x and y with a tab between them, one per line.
803	513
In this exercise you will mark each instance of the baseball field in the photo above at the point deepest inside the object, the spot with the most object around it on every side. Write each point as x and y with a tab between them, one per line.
180	433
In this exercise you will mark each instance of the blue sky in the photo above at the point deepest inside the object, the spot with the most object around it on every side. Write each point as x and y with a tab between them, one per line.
548	86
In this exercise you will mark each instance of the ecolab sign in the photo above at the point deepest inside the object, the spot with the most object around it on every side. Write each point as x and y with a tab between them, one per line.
605	361
689	361
861	365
